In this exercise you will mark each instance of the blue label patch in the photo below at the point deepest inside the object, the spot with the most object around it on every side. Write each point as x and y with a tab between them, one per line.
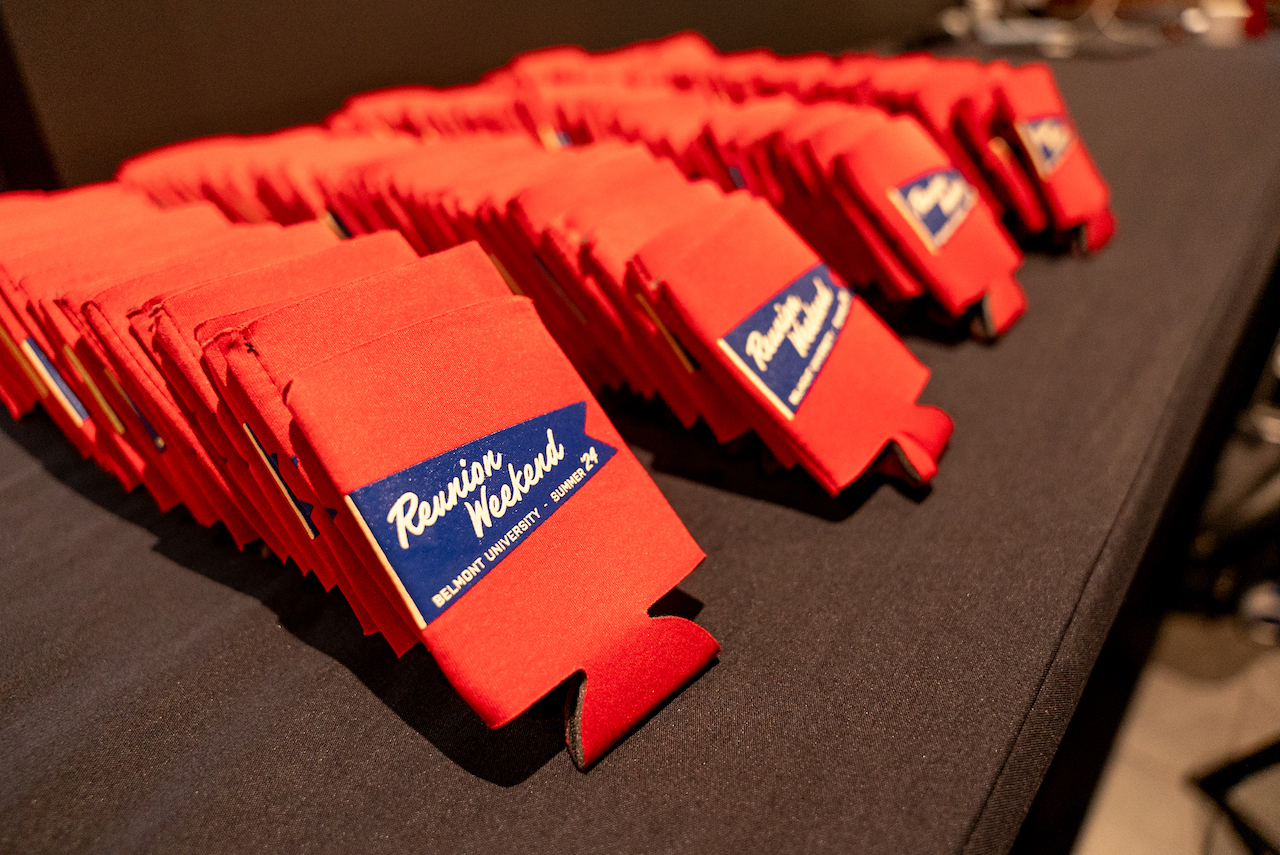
300	508
156	439
55	381
554	138
935	204
782	346
735	175
1046	139
444	523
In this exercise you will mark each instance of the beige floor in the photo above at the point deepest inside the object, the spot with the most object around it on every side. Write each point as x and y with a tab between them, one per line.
1208	694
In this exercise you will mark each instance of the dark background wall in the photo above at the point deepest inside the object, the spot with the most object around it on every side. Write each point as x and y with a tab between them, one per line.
110	78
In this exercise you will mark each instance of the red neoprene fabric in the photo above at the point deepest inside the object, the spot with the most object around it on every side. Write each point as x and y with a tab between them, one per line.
546	218
243	247
572	597
1071	187
838	222
264	354
740	267
781	162
45	237
667	250
931	90
177	354
834	222
156	246
106	315
454	194
611	224
954	98
965	264
23	388
740	134
252	178
961	87
39	270
658	92
108	404
611	242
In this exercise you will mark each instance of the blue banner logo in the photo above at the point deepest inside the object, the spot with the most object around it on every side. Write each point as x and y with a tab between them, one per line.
1046	140
444	523
935	204
782	346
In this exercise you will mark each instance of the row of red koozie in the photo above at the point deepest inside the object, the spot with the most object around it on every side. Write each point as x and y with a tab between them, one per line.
674	287
898	171
402	427
341	400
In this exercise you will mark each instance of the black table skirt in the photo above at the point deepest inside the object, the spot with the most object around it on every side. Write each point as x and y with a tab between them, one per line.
898	666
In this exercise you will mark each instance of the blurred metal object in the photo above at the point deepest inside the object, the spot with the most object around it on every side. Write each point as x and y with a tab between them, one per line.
1059	30
1225	22
1235	554
1194	20
1226	785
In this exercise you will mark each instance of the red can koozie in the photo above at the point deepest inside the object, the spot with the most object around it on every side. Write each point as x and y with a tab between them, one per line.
496	494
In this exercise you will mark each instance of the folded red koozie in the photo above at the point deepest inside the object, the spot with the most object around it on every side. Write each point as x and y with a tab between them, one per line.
106	317
252	364
1073	190
107	402
37	272
938	223
812	366
177	352
520	530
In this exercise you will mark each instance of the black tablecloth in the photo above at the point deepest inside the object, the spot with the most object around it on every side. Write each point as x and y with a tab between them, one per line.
897	666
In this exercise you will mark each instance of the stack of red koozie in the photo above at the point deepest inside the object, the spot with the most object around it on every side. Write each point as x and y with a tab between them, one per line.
402	427
676	288
373	345
900	171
